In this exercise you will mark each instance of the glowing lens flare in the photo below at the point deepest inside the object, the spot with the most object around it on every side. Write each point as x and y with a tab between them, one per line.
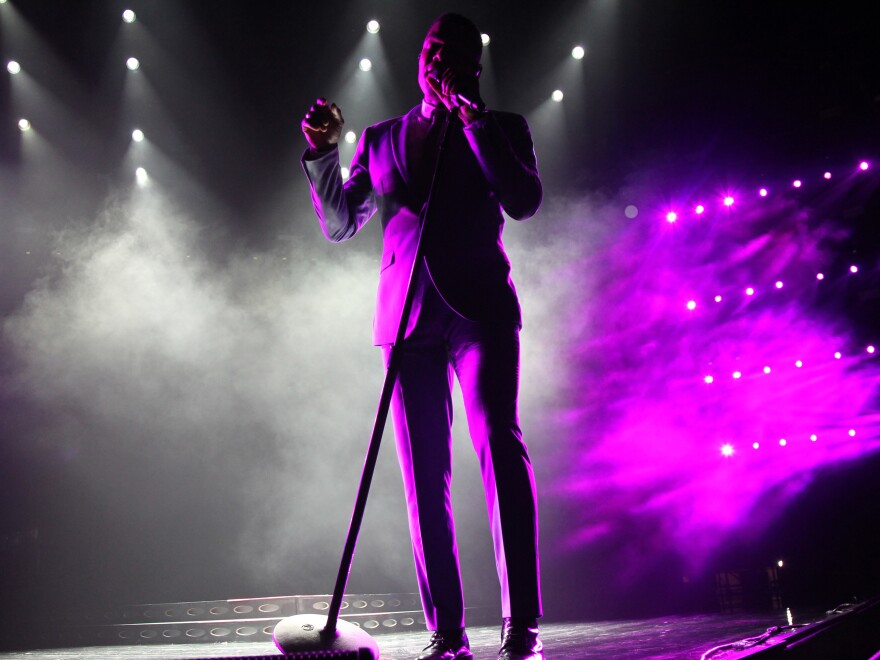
13	67
557	95
129	16
578	52
133	64
373	26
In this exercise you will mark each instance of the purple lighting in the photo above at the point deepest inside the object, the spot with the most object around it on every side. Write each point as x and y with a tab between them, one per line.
750	291
864	165
672	216
870	350
717	298
854	269
783	442
827	175
692	305
797	183
779	285
709	380
728	201
763	192
727	450
820	276
700	209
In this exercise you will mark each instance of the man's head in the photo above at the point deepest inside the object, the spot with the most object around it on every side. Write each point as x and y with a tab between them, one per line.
453	42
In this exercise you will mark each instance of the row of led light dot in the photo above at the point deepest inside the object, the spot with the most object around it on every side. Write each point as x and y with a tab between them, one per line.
728	449
750	291
728	200
736	375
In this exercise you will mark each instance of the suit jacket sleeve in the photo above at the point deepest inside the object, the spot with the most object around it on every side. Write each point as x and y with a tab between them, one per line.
503	147
342	208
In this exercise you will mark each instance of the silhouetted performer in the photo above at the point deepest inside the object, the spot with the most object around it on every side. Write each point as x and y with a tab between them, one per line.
465	320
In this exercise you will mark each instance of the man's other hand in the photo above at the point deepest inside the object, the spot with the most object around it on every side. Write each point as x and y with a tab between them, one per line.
322	125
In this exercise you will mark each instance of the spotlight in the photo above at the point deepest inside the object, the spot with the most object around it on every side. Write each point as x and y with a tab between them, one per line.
709	380
133	64
750	291
672	216
755	445
796	183
727	450
766	370
365	64
13	67
728	201
820	276
864	165
762	192
717	298
141	176
827	175
700	209
783	442
373	26
838	355
578	52
780	563
798	363
129	16
631	211
852	433
345	173
737	375
854	269
557	95
871	350
350	137
485	39
137	135
814	437
692	305
779	285
24	125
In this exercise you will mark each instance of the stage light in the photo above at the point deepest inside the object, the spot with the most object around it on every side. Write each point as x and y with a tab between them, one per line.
766	370
373	26
24	125
796	183
728	201
692	305
814	437
485	39
864	165
129	16
557	95
345	173
727	450
870	350
709	380
700	209
672	216
820	276
783	442
750	291
854	269
631	211
365	64
798	363
755	445
737	375
133	64
838	355
763	192
780	563
779	285
350	137
717	298
852	433
137	135
142	177
827	175
13	67
578	52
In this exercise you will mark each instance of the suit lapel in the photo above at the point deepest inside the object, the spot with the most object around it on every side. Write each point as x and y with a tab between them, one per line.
398	143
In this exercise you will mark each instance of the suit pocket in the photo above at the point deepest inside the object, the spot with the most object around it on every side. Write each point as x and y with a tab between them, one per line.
387	260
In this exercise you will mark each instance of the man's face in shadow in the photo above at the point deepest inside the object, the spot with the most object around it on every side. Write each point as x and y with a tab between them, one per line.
447	45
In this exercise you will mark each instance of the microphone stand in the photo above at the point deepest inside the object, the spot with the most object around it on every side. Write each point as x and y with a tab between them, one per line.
289	633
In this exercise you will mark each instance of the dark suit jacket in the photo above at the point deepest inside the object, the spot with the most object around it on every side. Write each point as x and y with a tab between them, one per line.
489	167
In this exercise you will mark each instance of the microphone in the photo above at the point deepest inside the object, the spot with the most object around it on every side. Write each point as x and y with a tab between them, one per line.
463	99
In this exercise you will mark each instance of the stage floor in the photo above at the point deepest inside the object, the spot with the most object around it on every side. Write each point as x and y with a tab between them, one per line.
663	638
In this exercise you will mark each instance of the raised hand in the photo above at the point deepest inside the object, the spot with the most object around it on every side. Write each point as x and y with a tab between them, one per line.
322	125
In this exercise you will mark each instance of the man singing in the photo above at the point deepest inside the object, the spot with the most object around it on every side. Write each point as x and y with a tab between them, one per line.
465	318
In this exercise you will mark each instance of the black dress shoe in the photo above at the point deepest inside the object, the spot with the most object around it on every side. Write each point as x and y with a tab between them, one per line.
519	640
447	645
